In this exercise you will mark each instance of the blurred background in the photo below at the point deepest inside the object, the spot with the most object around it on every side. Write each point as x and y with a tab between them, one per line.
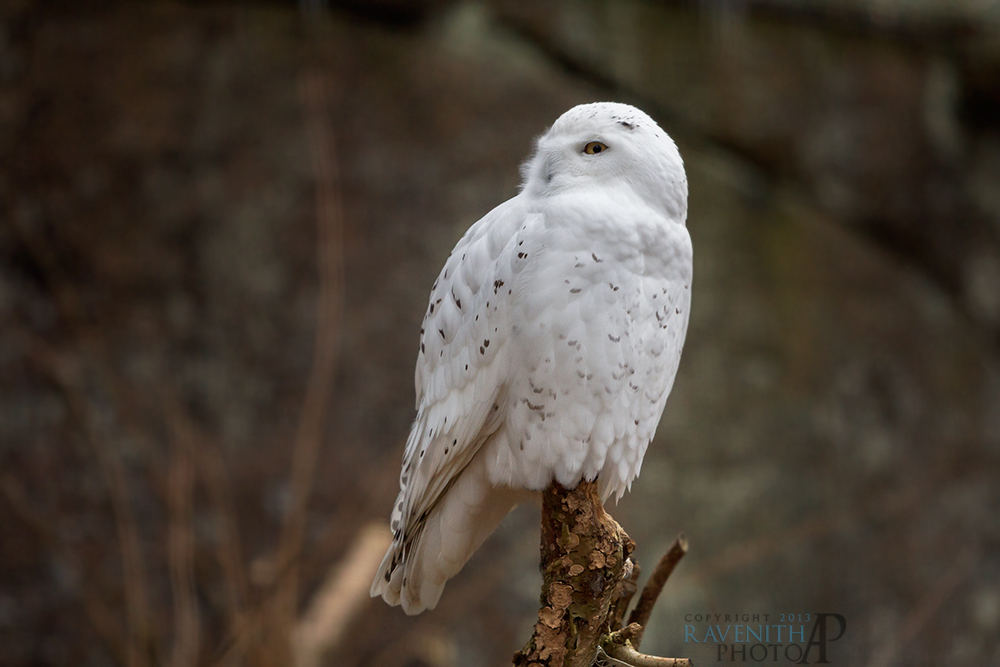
219	223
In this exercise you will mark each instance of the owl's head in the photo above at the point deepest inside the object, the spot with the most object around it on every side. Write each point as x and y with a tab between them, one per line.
607	144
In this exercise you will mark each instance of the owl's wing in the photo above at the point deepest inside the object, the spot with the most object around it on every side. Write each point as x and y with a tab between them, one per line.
460	377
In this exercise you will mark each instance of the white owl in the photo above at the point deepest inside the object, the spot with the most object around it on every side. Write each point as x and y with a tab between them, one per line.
550	343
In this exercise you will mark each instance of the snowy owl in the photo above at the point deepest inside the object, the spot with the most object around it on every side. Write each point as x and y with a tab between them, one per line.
550	343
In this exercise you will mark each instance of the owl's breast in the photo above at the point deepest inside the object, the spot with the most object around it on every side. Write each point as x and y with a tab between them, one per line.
598	320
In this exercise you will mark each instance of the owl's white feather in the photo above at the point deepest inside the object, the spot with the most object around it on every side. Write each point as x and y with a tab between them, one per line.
551	341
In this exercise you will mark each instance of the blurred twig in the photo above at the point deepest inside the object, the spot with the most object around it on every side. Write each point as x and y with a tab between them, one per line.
324	622
313	92
211	468
137	615
741	554
228	551
180	548
86	379
928	606
100	615
68	378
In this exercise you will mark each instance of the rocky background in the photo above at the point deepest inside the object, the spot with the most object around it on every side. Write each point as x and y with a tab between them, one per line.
218	227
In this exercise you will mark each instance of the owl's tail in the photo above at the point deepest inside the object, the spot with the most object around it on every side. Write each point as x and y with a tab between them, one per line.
469	511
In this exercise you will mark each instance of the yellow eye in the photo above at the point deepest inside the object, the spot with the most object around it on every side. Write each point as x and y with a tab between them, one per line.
594	147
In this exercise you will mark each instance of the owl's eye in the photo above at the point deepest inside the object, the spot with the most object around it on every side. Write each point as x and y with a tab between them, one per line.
594	147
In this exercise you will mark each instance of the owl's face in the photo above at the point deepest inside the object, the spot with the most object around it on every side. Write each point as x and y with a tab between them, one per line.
609	145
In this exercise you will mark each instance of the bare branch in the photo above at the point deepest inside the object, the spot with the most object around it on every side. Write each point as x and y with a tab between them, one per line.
651	592
623	655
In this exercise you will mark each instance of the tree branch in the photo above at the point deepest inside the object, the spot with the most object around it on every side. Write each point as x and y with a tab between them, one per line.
623	655
588	581
643	608
584	553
